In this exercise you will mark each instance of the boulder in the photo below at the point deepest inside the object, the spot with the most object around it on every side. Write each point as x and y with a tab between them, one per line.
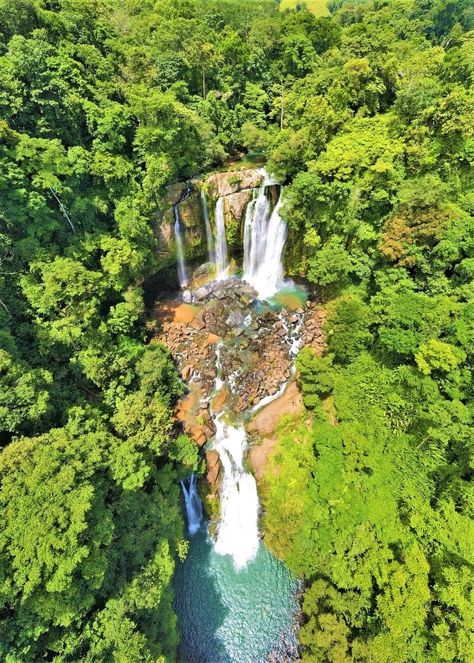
235	319
258	456
236	204
225	184
187	372
200	294
198	435
187	297
212	459
198	324
213	475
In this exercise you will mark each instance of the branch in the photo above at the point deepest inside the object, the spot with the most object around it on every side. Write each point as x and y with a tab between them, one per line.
63	209
5	306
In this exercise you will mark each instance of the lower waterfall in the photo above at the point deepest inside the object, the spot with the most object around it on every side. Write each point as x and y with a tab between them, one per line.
193	505
237	533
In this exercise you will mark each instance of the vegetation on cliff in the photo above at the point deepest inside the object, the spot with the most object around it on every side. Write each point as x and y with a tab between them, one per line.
367	115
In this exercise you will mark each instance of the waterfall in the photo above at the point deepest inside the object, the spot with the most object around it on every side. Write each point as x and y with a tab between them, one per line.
237	533
193	505
264	241
209	237
221	242
178	233
255	232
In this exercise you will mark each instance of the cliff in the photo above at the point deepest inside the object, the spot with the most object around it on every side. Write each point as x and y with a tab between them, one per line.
236	187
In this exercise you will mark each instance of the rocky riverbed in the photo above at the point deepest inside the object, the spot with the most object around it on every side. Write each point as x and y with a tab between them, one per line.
224	328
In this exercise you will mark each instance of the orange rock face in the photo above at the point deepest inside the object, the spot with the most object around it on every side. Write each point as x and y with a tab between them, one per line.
266	421
265	424
185	313
220	399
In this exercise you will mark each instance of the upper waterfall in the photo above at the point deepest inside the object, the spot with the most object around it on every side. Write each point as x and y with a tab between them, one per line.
222	262
209	238
178	234
182	272
264	241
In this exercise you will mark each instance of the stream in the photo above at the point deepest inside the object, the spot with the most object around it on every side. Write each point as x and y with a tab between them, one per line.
234	600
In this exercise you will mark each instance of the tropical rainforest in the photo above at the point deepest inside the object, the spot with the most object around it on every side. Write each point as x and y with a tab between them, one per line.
367	116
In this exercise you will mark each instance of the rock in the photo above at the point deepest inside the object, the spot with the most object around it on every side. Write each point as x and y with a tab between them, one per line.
204	415
209	431
187	372
211	339
224	184
236	203
235	319
198	435
198	324
213	475
200	293
220	399
258	456
212	458
187	297
266	421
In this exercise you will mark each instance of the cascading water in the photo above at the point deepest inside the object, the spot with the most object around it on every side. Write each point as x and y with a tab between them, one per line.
221	241
235	601
178	233
264	241
209	237
237	533
255	231
193	505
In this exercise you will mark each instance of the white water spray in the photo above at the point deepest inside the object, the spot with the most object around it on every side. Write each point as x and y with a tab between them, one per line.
221	242
178	234
209	237
237	533
264	241
193	505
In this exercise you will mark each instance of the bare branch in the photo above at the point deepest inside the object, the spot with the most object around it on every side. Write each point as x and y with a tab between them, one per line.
63	209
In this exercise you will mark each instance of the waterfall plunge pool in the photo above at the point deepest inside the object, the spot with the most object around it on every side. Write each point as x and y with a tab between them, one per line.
230	616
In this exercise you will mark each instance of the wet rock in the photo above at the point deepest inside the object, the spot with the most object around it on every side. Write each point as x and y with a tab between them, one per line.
225	184
235	319
200	294
187	297
212	459
187	372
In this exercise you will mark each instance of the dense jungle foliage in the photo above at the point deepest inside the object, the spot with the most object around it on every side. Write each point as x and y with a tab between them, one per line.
367	115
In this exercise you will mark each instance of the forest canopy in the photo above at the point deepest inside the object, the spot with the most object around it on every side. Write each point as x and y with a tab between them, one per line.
367	116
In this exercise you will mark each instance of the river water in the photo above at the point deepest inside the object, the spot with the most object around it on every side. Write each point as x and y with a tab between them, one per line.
230	616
